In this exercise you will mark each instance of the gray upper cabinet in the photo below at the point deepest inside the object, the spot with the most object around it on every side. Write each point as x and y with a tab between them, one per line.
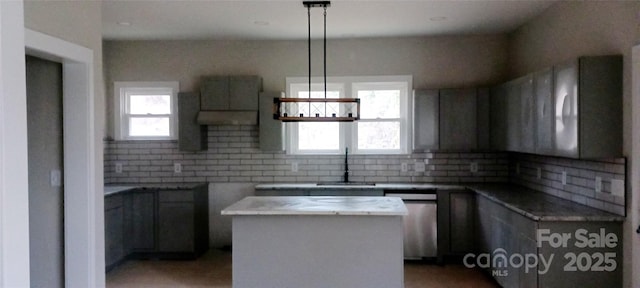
588	107
230	93
513	119
498	117
425	120
484	118
543	82
191	135
527	115
271	130
458	119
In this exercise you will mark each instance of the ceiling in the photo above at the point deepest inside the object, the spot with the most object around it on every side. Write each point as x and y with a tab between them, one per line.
287	20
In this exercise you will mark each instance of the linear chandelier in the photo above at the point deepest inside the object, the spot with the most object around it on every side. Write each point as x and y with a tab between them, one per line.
296	109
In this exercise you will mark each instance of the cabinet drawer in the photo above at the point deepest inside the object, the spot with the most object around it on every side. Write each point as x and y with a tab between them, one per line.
175	196
113	201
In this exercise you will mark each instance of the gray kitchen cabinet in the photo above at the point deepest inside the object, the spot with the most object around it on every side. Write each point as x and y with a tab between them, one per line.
176	226
458	119
191	135
230	93
588	107
456	223
484	118
527	115
114	230
498	117
543	82
143	222
513	120
271	131
426	120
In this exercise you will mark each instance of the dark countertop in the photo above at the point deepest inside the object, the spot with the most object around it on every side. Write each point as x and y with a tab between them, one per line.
111	189
535	205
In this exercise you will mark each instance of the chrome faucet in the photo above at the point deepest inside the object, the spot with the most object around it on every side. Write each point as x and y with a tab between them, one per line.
346	165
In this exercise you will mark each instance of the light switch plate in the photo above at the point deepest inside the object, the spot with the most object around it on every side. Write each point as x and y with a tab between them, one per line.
539	173
564	177
177	168
118	167
419	167
56	178
473	167
294	166
598	184
404	167
617	187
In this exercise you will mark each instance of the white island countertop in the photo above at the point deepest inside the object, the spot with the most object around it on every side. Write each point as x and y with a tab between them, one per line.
318	205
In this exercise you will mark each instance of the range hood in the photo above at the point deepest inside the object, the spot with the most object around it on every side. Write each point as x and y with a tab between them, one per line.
226	117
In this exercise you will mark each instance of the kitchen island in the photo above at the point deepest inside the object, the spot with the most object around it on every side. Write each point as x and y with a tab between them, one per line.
317	242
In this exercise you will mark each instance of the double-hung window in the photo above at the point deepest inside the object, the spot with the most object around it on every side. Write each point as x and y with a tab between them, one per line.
146	110
383	127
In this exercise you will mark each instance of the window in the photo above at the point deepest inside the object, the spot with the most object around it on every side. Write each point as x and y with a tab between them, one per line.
146	110
383	127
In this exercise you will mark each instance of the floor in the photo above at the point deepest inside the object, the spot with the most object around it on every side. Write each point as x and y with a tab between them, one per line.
214	270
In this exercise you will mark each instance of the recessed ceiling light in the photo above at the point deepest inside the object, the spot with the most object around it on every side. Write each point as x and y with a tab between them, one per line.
438	18
261	23
124	23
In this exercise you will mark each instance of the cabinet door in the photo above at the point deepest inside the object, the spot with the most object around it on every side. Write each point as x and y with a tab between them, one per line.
176	227
114	245
271	130
461	217
142	220
513	115
425	120
243	92
458	116
214	93
527	115
543	82
499	117
484	118
566	109
192	136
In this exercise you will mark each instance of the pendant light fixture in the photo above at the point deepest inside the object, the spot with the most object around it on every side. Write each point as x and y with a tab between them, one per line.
295	109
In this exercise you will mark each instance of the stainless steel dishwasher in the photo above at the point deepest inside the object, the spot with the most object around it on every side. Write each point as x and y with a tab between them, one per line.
420	225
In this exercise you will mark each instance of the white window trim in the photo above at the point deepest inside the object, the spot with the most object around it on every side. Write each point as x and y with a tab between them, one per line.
120	124
348	130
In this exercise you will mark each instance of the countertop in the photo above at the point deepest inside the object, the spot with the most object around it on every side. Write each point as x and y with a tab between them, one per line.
535	205
319	205
378	186
540	206
117	188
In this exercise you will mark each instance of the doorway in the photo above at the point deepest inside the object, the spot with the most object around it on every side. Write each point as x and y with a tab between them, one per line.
45	161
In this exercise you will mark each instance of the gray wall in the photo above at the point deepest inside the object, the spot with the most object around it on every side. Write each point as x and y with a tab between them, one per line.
44	115
434	62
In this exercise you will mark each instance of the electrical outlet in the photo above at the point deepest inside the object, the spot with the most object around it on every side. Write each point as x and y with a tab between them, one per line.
598	184
473	167
518	168
294	166
118	167
564	177
404	167
617	187
539	173
419	167
177	168
56	178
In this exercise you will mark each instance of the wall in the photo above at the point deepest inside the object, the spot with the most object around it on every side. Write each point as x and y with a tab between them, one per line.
570	29
434	62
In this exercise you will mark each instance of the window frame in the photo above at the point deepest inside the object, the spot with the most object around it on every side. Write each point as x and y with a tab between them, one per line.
122	118
348	130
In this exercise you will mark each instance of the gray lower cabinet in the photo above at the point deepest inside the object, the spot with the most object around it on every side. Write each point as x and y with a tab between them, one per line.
501	231
114	229
456	223
142	220
191	135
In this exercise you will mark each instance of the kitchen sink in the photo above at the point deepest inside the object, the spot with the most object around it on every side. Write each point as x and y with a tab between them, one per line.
346	184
